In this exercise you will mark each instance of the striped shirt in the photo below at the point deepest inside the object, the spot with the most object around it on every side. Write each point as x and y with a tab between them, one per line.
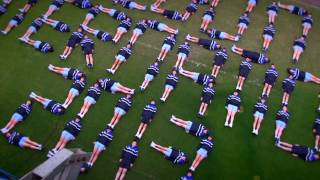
153	70
107	83
142	25
149	112
269	30
73	127
79	85
307	19
192	7
125	52
130	153
208	92
153	24
184	48
283	116
244	19
271	73
300	42
273	7
209	12
58	3
246	64
172	80
260	107
94	11
206	144
234	100
170	41
124	103
94	92
44	47
197	129
37	23
86	41
105	137
126	23
118	15
15	138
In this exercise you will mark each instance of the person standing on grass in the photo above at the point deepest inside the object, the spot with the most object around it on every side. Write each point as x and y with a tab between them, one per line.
270	78
102	142
282	119
73	41
207	95
152	72
196	129
167	46
207	18
176	156
205	147
259	111
94	93
17	139
244	70
147	116
21	114
53	106
272	11
69	133
218	62
170	84
87	46
128	157
233	106
302	152
123	106
268	35
316	132
288	85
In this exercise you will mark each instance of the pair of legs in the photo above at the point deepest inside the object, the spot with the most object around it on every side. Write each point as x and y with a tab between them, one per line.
142	128
285	6
158	3
317	140
205	23
306	29
87	19
271	16
166	93
115	119
241	28
25	8
11	124
89	59
215	70
231	113
163	53
266	42
186	15
285	146
39	99
159	148
179	122
188	74
278	132
285	98
237	50
196	162
58	70
241	80
31	144
180	60
135	36
29	32
12	24
50	22
215	3
31	42
52	8
266	89
124	90
89	30
203	108
69	99
250	5
168	29
94	156
84	109
296	53
115	66
256	124
119	33
67	51
121	173
145	84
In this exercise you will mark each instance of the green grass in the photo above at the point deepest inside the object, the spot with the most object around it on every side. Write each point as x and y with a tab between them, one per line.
237	154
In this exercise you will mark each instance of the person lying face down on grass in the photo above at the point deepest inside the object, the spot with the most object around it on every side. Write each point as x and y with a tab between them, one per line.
57	25
123	28
122	56
233	106
147	115
17	139
243	24
93	12
170	84
254	56
244	70
139	30
205	147
259	111
102	142
73	41
53	7
93	94
182	54
83	4
170	14
130	4
207	18
303	152
33	28
152	72
196	129
176	156
128	157
115	14
50	105
272	11
122	107
270	78
69	133
307	23
113	86
299	45
199	78
14	22
191	9
316	132
21	114
101	35
288	85
303	76
282	119
219	60
293	9
207	95
41	46
268	35
159	26
76	89
216	34
67	73
167	45
210	45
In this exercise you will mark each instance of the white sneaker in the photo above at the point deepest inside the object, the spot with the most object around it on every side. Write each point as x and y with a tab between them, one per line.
152	144
108	70
50	67
173	117
4	32
152	8
188	37
176	31
4	130
113	71
233	48
32	94
162	99
100	7
226	124
237	38
257	133
230	125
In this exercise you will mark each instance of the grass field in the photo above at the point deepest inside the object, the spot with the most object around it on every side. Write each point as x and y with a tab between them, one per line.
237	154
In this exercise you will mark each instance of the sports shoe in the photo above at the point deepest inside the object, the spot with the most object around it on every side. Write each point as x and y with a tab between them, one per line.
152	8
152	144
237	38
233	48
188	36
226	124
